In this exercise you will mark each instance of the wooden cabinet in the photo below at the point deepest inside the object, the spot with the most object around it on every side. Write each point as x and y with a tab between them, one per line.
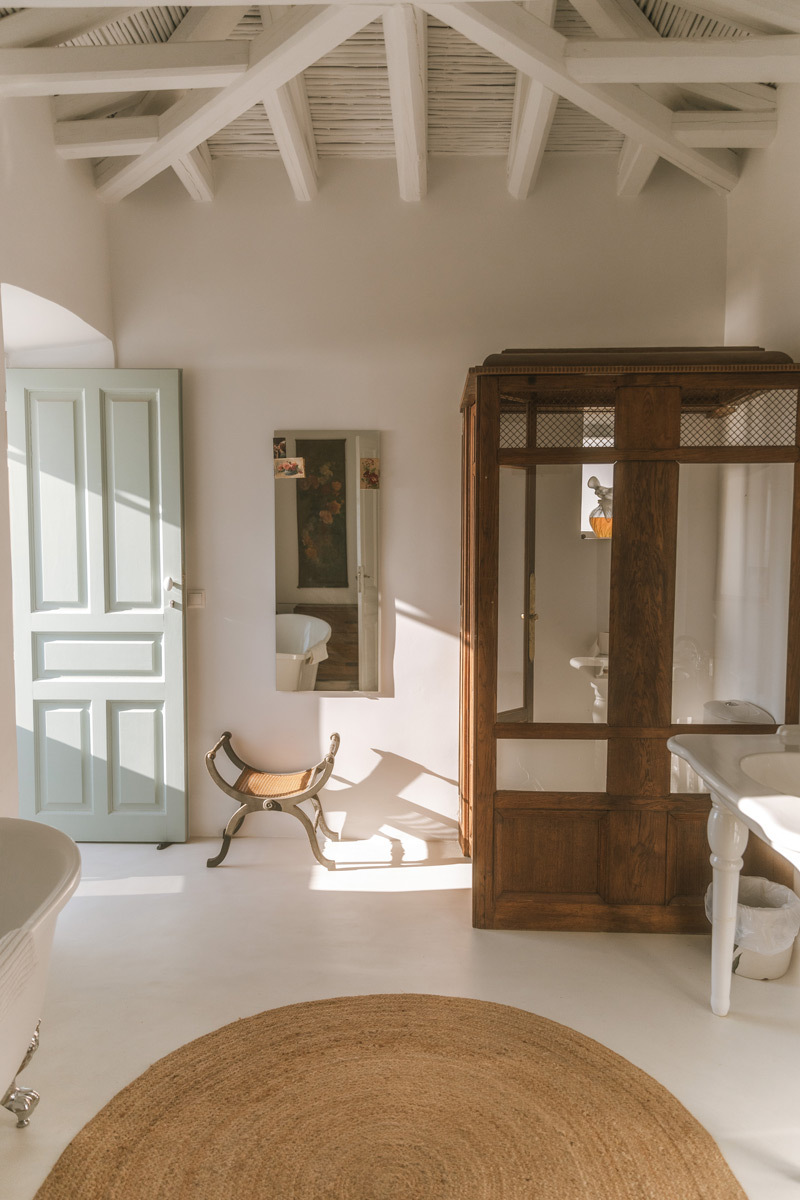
575	822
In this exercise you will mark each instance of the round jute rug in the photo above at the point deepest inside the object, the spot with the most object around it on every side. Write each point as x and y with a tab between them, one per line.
402	1097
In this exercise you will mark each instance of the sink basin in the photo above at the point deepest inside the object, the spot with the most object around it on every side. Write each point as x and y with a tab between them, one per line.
778	771
597	667
756	776
754	781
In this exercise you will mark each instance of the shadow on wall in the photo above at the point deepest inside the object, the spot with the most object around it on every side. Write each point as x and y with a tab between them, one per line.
375	807
39	333
93	798
377	801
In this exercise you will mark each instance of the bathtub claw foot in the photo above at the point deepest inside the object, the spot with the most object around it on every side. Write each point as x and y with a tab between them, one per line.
21	1102
33	1046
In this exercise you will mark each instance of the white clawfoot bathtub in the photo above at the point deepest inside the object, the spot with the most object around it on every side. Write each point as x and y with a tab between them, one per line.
301	644
39	870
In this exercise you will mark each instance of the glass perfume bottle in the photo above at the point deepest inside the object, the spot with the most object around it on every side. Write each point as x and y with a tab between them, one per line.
600	518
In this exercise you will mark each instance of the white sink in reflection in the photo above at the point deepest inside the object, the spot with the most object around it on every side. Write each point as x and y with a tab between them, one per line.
596	666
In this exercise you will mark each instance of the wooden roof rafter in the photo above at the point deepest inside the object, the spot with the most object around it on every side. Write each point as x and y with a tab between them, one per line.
533	48
276	57
534	112
691	101
289	116
404	32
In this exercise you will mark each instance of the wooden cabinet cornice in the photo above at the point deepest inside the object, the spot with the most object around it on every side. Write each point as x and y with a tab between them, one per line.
628	853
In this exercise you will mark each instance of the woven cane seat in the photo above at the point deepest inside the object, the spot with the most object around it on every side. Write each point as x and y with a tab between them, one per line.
260	783
275	791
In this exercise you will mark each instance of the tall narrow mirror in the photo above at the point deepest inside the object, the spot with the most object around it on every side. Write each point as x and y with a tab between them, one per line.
327	491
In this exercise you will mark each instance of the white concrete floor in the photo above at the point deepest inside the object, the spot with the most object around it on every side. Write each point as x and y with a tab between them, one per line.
155	950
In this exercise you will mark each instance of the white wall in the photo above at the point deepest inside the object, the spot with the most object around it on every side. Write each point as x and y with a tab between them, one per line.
52	232
360	311
763	293
53	243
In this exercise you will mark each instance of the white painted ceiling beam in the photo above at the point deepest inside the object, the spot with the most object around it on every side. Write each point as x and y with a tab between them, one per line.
83	69
95	104
750	97
405	37
290	120
767	16
196	173
731	130
50	26
195	170
530	46
532	119
105	138
635	166
292	145
276	57
538	106
685	60
615	18
209	24
624	19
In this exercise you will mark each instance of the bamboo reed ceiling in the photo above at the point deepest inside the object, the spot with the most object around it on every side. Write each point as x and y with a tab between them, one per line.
470	94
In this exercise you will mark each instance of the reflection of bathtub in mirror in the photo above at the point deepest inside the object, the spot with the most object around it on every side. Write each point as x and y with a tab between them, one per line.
327	555
301	644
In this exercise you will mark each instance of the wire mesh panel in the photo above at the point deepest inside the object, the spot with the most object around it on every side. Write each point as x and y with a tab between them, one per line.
558	426
514	429
574	427
766	418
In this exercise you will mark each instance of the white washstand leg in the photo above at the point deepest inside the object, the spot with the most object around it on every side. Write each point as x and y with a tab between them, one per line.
727	838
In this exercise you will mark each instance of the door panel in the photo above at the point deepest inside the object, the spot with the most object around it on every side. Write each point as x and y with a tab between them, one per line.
62	758
96	513
58	491
97	654
132	501
136	739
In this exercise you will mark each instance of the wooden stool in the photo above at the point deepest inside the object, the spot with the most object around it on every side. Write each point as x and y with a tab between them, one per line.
273	791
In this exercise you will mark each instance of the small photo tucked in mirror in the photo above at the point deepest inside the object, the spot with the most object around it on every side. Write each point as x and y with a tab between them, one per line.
279	447
370	473
326	560
290	468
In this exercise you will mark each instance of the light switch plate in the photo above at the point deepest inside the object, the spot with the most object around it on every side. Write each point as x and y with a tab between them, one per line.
196	599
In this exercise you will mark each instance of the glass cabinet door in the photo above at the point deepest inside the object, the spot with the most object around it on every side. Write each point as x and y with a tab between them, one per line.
732	591
553	598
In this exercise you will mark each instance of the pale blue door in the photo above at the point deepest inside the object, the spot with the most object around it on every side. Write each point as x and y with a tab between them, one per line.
97	568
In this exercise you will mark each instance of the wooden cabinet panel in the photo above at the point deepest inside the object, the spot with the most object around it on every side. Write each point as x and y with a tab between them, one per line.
688	862
638	767
635	857
647	418
548	853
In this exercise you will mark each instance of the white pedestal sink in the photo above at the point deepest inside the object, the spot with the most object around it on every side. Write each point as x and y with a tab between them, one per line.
596	667
754	781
